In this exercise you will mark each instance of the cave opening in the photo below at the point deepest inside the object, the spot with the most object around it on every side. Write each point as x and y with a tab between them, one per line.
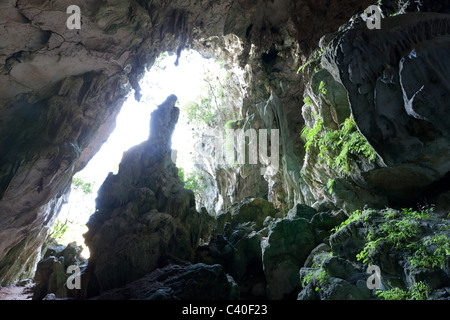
198	82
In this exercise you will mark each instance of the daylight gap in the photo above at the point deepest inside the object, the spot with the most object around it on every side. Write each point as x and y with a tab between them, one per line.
199	83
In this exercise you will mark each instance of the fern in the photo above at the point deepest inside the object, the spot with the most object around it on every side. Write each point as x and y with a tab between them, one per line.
330	185
418	291
315	58
336	147
310	136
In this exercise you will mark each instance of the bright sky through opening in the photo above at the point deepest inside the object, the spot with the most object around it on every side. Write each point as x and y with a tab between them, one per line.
186	81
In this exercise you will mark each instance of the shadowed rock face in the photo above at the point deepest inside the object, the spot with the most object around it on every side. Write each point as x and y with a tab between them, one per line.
60	92
61	89
397	80
175	282
144	218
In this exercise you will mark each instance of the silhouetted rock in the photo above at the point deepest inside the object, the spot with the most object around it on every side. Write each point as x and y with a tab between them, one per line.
175	282
144	218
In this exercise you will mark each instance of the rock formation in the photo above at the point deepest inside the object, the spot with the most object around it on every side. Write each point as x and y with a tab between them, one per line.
61	89
51	272
403	90
144	218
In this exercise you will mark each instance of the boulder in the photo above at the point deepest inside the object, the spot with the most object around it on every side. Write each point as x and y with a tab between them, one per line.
254	210
144	217
285	250
175	282
328	220
236	244
51	272
340	268
349	241
397	82
301	211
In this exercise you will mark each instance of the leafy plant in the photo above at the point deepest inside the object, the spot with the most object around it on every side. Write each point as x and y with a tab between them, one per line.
201	111
424	255
80	184
58	230
399	230
193	181
318	277
322	88
310	136
336	147
307	101
330	185
369	248
396	231
307	279
418	291
322	277
315	57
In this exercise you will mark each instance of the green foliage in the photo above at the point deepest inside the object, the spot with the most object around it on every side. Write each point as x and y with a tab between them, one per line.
322	88
181	174
369	248
396	232
354	216
418	291
318	278
330	185
302	67
211	108
322	277
201	111
307	101
81	185
229	124
315	58
424	255
310	136
58	230
193	181
399	232
337	147
307	279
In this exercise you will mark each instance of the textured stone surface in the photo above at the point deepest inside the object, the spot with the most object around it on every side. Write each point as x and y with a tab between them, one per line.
335	272
144	217
61	89
285	250
175	282
236	244
51	273
397	84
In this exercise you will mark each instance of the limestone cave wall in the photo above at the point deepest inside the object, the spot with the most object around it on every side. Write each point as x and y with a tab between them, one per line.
61	90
